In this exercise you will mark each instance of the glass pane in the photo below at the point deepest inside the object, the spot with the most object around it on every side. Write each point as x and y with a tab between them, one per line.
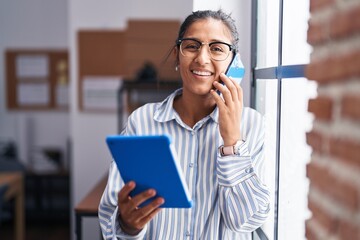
268	31
295	48
266	104
294	155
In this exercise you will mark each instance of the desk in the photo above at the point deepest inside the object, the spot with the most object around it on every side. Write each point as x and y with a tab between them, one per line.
14	181
88	207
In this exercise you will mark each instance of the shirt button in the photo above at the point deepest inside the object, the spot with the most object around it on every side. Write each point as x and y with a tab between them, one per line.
193	133
191	164
188	234
249	170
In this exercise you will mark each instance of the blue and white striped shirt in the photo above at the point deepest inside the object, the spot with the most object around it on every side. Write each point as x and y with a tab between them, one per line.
229	199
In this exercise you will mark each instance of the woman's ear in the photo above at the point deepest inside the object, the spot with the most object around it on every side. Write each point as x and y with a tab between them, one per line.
176	55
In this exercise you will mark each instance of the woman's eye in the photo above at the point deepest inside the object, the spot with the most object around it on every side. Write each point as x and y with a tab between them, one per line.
216	49
192	47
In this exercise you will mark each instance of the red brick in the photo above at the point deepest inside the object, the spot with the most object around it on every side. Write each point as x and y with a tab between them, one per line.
310	234
315	140
350	106
317	33
322	216
341	191
341	24
316	5
334	69
346	150
318	177
321	107
345	23
348	230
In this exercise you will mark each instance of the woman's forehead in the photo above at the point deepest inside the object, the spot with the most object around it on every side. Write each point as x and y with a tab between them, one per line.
208	29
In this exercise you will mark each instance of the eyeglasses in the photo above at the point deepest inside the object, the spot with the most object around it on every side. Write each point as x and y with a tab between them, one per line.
190	47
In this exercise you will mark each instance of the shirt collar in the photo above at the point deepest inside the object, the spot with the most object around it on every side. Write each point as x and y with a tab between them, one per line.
165	111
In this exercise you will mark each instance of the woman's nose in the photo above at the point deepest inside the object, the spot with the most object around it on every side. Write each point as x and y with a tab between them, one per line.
203	56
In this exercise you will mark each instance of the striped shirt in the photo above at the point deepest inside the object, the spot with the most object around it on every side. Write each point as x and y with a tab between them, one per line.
229	199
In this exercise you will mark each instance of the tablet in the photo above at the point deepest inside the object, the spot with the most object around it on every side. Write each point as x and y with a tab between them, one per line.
151	161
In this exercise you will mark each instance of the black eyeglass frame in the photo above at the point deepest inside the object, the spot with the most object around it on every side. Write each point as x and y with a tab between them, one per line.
231	47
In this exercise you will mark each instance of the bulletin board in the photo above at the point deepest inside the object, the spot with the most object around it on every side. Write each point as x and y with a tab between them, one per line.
108	56
37	79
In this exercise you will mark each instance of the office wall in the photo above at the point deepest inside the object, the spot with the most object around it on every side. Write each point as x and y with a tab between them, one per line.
88	131
32	24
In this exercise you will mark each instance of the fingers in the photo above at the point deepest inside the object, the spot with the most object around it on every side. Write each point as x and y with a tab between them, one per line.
230	108
150	216
232	94
142	197
230	90
125	191
147	212
134	202
133	217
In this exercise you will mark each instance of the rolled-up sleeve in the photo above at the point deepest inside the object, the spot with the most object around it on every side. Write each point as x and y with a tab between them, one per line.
244	199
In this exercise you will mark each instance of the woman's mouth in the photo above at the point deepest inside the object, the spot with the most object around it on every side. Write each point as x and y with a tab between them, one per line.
202	73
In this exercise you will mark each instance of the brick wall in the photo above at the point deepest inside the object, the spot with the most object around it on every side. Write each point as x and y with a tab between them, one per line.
334	169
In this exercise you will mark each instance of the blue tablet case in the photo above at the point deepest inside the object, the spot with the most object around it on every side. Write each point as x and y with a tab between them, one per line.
151	161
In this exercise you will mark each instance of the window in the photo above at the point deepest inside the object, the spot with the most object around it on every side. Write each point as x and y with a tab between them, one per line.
281	93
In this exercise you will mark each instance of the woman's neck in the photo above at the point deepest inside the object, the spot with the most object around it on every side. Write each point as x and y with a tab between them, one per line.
192	109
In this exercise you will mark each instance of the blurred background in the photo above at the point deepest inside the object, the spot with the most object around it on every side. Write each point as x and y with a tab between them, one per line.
72	71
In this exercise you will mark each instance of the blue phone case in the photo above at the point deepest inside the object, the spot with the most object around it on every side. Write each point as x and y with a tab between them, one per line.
236	69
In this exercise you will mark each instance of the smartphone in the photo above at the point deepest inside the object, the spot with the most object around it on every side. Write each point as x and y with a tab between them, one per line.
236	69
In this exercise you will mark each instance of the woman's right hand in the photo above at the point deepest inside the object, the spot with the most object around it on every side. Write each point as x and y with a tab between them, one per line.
132	217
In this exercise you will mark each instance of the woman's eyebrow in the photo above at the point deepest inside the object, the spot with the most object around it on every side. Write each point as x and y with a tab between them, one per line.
211	41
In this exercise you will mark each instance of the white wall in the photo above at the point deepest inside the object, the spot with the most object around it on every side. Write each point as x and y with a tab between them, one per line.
32	24
91	158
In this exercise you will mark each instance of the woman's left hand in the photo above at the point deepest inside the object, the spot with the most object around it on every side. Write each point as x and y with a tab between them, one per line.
230	108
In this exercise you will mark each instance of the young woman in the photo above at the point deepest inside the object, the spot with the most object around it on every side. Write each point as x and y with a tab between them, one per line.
218	141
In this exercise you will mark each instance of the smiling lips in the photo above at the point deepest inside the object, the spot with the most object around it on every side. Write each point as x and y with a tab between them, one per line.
202	73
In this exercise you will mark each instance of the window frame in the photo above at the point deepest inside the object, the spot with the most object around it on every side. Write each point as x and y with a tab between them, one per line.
276	73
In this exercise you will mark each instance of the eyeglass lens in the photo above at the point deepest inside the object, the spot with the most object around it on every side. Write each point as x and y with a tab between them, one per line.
218	51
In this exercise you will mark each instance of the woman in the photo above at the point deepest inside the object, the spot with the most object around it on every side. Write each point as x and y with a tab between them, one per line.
218	141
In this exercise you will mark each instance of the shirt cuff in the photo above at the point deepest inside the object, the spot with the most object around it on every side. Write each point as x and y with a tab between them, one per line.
118	232
234	169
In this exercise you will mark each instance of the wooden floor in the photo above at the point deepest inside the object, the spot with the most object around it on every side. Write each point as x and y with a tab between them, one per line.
38	231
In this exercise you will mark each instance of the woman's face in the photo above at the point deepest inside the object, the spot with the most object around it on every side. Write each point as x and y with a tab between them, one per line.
199	72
